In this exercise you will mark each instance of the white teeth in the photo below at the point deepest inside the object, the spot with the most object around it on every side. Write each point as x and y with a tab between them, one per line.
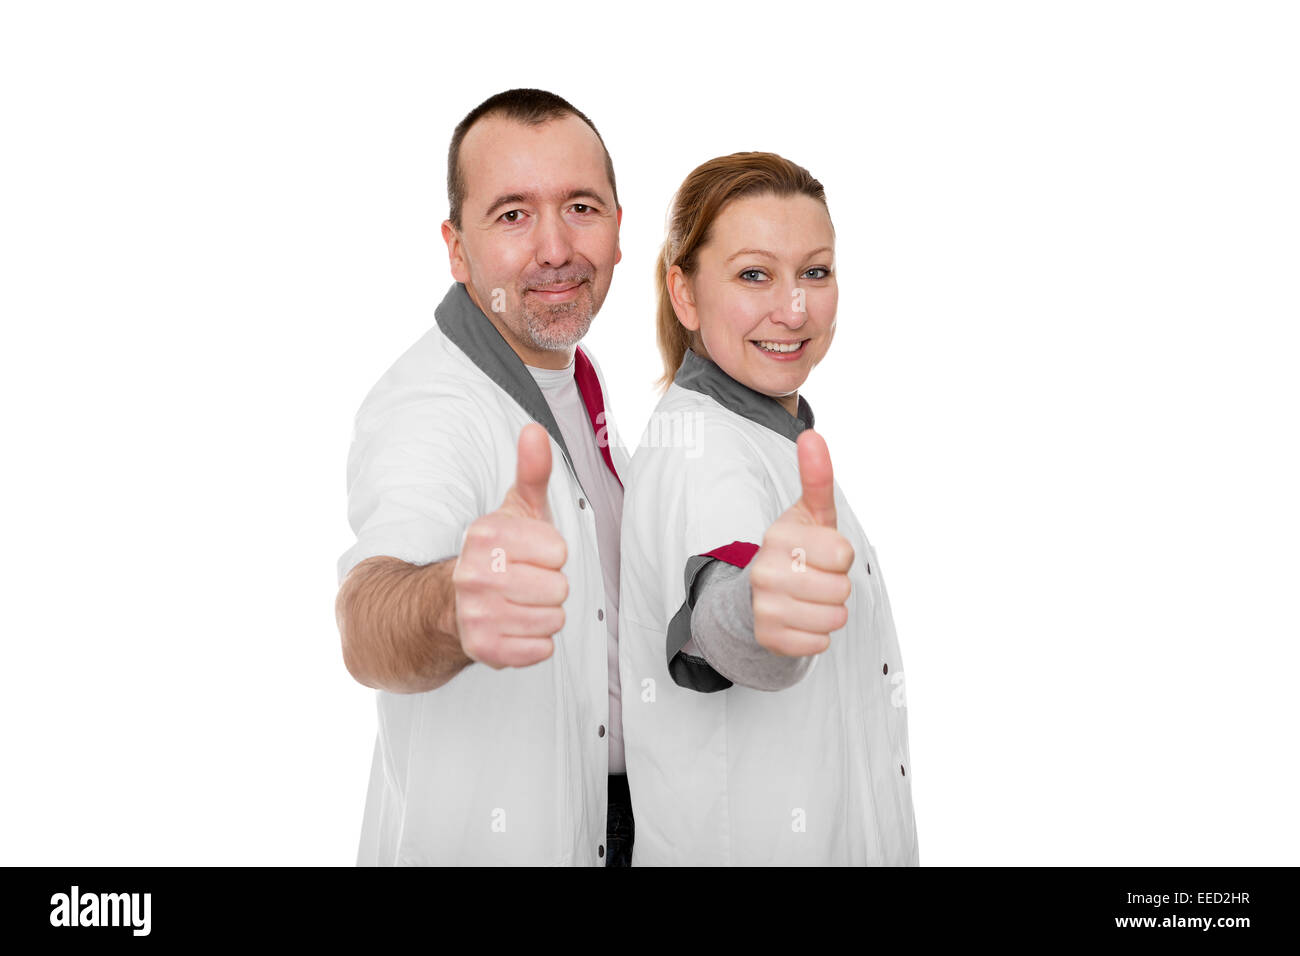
778	347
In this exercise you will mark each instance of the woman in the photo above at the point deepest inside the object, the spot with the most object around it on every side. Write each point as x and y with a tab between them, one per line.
763	711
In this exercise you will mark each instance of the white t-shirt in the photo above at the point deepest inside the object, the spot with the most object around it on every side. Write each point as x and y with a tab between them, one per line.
605	495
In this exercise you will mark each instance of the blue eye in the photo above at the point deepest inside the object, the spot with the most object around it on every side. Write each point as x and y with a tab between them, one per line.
748	271
825	272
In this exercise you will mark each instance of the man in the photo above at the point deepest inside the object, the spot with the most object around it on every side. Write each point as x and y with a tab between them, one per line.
481	596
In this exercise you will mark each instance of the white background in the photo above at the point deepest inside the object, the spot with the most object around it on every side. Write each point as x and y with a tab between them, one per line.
1062	396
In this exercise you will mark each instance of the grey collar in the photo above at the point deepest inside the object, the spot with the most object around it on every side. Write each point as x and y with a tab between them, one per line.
703	375
473	332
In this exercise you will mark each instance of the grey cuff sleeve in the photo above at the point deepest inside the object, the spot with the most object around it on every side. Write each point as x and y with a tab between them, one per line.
722	632
685	665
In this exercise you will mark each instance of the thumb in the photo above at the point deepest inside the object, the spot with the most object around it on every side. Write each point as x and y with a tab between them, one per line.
533	469
816	478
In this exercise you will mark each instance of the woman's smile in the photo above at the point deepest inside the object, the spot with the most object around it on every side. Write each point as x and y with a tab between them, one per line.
781	350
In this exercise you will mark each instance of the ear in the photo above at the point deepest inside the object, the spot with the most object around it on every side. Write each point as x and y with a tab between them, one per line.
683	299
618	253
455	252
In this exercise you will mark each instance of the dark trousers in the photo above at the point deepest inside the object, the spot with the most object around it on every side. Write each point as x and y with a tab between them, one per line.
619	827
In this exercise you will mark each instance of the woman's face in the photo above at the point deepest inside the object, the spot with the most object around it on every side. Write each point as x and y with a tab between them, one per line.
763	295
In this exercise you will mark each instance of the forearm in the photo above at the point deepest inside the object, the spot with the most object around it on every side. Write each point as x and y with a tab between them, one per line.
722	630
398	625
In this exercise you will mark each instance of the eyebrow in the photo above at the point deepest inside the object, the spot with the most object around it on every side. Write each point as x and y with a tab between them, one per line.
764	252
582	192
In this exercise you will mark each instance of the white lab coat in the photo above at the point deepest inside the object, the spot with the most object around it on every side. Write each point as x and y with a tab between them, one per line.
497	766
818	773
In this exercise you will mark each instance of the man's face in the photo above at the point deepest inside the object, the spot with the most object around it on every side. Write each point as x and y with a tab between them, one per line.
539	232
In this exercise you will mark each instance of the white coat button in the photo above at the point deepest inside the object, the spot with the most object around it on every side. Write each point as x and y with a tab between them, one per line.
600	851
600	614
600	731
886	668
582	502
900	767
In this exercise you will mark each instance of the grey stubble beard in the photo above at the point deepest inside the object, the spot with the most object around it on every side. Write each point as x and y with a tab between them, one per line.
559	326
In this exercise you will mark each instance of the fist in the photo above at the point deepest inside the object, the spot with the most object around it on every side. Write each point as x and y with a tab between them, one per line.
509	588
800	576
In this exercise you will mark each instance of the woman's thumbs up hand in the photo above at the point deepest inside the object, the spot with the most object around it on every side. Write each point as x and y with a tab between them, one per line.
799	577
508	584
817	479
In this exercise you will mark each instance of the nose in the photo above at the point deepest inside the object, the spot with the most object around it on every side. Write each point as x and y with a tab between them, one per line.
554	243
790	308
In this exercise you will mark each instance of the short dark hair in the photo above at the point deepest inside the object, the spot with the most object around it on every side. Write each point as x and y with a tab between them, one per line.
532	107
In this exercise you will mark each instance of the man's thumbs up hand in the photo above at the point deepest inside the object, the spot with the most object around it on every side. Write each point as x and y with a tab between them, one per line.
527	496
508	584
800	576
